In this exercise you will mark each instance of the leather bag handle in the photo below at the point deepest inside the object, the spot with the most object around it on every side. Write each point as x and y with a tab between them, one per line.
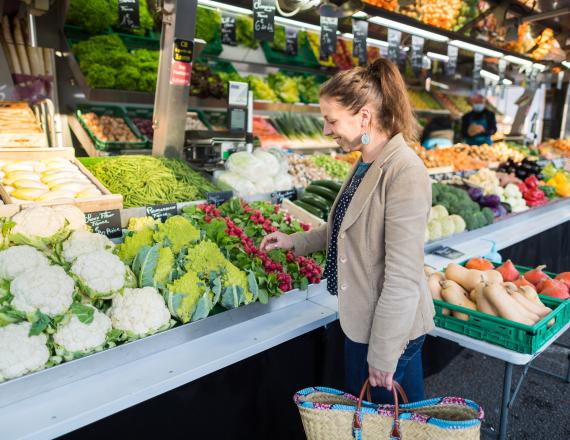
396	388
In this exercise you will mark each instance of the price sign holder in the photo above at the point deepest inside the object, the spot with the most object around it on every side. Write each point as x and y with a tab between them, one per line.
129	14
162	212
229	30
263	19
106	223
447	252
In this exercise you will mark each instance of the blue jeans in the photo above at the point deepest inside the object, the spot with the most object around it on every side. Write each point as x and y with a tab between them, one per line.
409	372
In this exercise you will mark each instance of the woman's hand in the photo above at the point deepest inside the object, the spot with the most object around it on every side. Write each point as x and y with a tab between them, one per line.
379	378
276	240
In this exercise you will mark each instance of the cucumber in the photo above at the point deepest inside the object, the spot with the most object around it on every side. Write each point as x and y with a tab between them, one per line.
322	191
310	208
330	184
317	201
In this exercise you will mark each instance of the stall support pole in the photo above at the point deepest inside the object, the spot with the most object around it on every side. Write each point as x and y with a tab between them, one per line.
507	381
171	101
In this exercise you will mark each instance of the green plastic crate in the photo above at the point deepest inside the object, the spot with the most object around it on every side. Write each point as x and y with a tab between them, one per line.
111	110
498	331
304	58
75	34
214	47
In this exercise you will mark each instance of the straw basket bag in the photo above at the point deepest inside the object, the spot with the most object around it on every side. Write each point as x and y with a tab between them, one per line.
329	414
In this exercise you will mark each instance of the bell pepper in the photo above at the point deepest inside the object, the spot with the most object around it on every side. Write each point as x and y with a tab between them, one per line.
535	197
549	191
563	190
531	182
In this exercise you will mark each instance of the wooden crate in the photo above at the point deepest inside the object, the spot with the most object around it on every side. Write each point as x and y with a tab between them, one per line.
19	127
104	202
300	214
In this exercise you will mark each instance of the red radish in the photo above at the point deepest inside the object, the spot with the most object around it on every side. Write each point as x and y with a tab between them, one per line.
535	276
565	278
556	289
522	281
508	271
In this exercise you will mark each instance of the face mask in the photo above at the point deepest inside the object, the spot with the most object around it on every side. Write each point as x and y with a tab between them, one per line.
478	107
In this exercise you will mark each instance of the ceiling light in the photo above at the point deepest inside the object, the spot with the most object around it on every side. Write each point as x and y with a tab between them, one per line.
489	75
297	24
438	56
517	60
566	64
475	48
225	7
540	67
377	43
408	29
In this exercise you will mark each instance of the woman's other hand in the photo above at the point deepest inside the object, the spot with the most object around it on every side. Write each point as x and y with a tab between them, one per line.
379	378
276	240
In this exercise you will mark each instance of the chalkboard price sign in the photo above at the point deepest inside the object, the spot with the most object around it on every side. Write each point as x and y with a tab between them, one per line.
129	16
291	41
162	212
229	30
417	53
359	47
217	198
329	27
263	19
106	223
279	196
394	38
447	252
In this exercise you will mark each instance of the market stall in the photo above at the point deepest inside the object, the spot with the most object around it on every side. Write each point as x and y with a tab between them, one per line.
196	132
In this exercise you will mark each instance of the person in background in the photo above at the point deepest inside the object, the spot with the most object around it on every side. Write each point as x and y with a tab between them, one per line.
375	232
438	133
478	125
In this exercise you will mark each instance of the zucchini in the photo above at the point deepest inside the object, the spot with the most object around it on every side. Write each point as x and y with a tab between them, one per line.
317	201
330	184
310	209
322	191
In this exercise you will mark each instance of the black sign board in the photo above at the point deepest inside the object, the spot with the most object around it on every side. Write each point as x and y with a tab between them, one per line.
217	198
417	53
451	66
329	27
279	196
183	50
447	252
477	66
394	38
229	30
560	80
291	41
359	46
263	19
502	70
129	16
162	212
106	223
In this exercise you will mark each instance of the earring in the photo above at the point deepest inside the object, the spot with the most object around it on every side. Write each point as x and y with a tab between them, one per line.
365	139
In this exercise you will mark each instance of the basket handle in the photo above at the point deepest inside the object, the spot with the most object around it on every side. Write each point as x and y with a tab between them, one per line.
396	388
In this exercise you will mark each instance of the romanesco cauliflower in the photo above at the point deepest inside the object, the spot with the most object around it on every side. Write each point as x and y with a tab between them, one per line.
139	223
82	242
100	274
139	312
133	243
46	288
18	259
176	232
21	353
183	295
73	215
39	226
75	338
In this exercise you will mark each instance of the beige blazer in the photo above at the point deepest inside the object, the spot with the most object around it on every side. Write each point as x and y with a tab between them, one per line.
383	297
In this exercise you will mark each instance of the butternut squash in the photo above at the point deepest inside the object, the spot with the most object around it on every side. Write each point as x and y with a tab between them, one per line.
530	293
506	306
493	276
454	294
483	305
529	304
434	284
466	278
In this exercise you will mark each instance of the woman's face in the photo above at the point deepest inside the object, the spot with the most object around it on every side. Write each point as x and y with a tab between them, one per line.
344	127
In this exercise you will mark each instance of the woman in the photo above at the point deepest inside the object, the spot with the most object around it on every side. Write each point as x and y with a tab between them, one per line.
375	233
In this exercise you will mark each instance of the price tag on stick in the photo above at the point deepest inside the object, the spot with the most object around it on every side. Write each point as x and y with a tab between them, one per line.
417	53
279	196
329	27
106	223
263	19
129	15
359	45
229	30
291	41
162	212
394	38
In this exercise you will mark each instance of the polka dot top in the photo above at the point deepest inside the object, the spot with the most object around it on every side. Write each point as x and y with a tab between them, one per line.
344	201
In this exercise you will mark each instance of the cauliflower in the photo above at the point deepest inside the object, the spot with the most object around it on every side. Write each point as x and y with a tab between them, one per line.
438	211
82	242
18	259
447	226
77	336
512	191
458	222
435	231
73	215
100	274
20	353
46	288
39	227
139	223
139	312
